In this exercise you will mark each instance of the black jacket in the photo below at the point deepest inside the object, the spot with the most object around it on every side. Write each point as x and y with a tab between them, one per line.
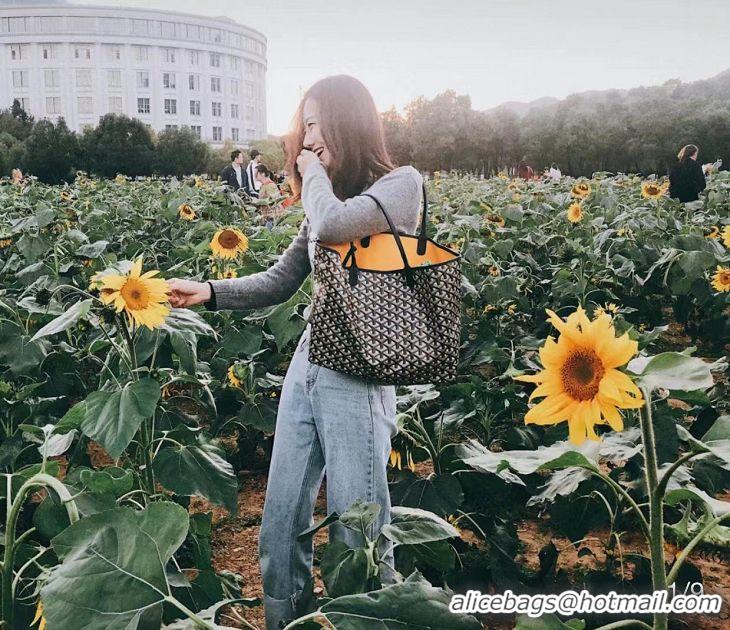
228	175
686	180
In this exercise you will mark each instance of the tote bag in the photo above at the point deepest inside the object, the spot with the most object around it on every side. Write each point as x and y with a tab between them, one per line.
387	307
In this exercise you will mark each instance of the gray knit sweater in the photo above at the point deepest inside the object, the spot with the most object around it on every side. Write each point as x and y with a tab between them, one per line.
330	220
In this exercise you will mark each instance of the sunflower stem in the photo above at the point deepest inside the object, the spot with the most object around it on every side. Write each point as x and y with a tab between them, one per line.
656	520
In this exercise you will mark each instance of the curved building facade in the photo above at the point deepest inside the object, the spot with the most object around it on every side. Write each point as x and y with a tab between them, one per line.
165	68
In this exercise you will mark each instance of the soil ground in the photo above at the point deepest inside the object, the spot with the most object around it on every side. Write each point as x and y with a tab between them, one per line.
235	548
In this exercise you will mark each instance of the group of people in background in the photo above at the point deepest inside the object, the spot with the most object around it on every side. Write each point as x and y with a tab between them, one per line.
258	182
687	178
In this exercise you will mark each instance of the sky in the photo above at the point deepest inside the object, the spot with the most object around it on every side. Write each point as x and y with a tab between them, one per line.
493	50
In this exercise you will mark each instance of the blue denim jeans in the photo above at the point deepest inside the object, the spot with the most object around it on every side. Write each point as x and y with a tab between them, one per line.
327	421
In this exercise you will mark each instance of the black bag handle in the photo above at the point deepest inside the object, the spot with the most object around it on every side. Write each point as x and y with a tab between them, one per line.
421	248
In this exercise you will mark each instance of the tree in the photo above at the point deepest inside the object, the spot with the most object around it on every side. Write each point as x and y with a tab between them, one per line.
12	153
180	152
118	144
272	153
397	137
16	121
52	152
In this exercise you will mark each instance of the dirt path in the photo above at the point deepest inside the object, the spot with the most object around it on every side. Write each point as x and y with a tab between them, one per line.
235	548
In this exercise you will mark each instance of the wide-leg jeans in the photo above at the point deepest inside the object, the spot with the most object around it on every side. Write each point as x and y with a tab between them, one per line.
327	422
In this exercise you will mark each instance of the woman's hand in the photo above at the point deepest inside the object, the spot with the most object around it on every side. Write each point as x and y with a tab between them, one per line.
304	159
184	293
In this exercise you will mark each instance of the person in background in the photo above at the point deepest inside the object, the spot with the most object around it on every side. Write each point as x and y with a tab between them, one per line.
16	175
268	190
554	172
253	185
234	174
686	179
524	171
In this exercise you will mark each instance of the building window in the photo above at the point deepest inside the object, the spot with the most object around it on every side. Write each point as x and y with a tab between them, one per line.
20	78
16	52
83	78
85	105
216	106
141	27
170	106
168	80
51	78
143	79
195	108
249	89
234	110
114	78
113	53
249	111
115	104
82	52
197	130
215	84
168	127
234	133
235	63
217	133
141	53
194	82
234	87
24	102
48	51
143	105
53	104
194	57
167	29
168	55
215	60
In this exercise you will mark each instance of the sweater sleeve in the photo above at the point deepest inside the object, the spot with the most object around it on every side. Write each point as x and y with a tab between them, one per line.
266	288
336	221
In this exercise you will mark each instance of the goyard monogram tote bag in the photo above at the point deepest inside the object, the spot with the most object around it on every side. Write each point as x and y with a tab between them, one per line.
387	308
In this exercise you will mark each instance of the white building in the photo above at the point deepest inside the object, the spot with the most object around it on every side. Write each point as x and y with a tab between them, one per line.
165	68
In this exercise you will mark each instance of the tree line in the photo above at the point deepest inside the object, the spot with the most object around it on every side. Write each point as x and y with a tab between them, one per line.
117	145
639	130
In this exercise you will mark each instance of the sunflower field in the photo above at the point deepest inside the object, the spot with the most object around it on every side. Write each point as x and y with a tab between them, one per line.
585	444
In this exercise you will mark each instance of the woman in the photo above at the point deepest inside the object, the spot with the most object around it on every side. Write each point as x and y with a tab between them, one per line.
524	170
326	420
268	190
686	179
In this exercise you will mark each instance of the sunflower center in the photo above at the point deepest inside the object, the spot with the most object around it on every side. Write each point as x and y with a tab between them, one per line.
135	294
581	374
228	239
724	277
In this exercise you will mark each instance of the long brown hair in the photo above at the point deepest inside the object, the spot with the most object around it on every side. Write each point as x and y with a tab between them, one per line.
686	152
351	129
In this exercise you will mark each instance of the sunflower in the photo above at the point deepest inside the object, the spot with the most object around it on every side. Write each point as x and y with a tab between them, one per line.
580	380
200	182
232	378
186	212
228	243
652	190
120	179
5	242
228	273
575	213
514	185
495	271
485	206
396	460
714	232
39	617
726	236
140	295
495	218
87	262
601	310
581	190
721	279
65	195
516	197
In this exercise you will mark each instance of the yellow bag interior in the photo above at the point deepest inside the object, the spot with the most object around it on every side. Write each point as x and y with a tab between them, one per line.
382	253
